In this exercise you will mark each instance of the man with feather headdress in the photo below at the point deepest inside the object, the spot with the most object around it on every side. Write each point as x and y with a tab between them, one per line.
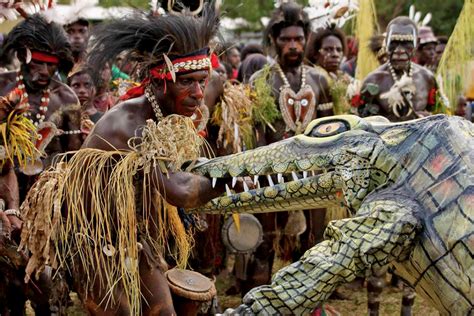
399	89
34	109
122	189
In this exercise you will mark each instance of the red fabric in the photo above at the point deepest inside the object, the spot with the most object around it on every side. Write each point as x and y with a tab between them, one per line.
432	97
317	312
214	61
46	58
203	133
357	101
136	92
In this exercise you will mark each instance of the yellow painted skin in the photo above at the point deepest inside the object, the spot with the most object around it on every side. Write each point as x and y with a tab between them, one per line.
409	185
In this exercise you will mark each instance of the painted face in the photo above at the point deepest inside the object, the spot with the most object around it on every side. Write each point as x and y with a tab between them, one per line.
83	87
427	54
400	52
185	95
78	35
38	74
330	53
290	45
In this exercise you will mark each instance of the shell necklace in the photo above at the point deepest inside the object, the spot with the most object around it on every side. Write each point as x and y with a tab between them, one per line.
297	109
150	96
43	108
394	75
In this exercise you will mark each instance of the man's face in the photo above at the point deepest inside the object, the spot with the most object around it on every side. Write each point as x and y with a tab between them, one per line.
37	74
221	72
330	53
401	52
427	54
290	45
185	95
83	87
234	57
78	35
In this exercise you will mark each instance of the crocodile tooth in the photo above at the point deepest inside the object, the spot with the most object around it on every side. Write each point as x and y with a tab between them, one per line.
214	180
234	181
258	184
227	189
280	178
246	188
295	177
313	173
305	174
270	181
255	179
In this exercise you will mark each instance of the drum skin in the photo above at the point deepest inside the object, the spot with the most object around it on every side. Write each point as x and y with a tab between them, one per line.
245	240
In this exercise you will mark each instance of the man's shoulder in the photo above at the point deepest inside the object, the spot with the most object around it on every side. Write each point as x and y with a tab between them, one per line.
380	73
7	79
117	125
8	76
125	111
64	92
315	73
425	72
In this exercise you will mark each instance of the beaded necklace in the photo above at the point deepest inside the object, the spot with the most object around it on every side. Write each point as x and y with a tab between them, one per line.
43	108
150	96
394	75
297	109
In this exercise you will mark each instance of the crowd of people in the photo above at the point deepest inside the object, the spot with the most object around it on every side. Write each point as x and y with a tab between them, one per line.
115	113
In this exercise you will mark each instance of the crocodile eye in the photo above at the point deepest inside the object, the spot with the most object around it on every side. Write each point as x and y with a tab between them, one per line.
326	129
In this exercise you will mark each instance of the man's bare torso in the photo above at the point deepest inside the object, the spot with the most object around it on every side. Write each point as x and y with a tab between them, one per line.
423	80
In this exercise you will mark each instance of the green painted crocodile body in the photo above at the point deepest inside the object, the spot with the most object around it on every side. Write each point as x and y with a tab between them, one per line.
409	186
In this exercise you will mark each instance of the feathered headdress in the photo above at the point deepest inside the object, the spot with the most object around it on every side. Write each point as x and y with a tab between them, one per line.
162	45
35	33
12	9
416	17
331	13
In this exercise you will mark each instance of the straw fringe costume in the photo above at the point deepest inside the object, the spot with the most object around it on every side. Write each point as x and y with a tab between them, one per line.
17	133
102	235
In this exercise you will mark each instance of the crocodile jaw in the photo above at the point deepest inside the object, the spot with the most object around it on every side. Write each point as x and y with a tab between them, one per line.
316	191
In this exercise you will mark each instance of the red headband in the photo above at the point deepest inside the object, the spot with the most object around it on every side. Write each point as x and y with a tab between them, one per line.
183	64
44	57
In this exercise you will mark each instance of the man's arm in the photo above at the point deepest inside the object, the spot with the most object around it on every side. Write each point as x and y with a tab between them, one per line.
72	118
366	102
9	192
181	189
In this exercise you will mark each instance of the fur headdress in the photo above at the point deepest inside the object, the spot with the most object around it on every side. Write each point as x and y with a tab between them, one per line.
154	40
36	34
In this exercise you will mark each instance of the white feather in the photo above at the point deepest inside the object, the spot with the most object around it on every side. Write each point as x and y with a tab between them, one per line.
411	15
427	19
153	5
417	17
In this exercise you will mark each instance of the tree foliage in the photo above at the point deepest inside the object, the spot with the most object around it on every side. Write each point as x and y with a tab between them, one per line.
445	12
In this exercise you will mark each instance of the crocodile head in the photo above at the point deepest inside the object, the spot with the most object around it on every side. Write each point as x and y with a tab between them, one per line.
337	159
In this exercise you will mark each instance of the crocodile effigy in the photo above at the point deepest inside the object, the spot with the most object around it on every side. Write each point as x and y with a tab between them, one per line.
409	187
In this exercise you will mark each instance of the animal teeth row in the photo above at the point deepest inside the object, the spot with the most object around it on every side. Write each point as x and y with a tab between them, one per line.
280	179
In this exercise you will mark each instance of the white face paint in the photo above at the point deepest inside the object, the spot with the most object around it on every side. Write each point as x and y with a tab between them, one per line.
397	32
